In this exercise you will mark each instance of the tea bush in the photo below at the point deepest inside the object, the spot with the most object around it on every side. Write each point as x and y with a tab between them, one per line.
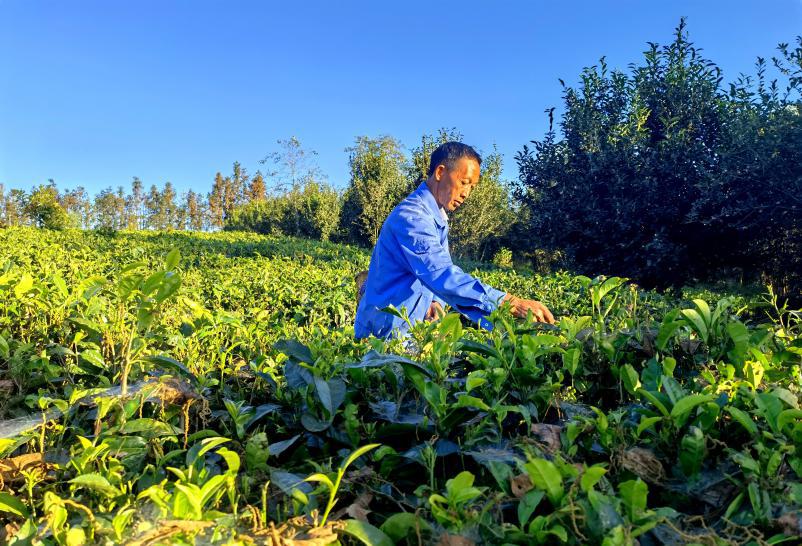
180	388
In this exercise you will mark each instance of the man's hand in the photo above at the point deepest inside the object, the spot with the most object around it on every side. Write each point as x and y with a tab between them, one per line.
521	307
435	311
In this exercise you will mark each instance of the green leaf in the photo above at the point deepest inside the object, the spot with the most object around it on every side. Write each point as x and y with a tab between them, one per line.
169	286
94	357
467	401
571	359
313	424
692	451
547	477
12	505
647	422
357	454
295	350
630	378
475	379
366	533
172	365
399	526
591	477
697	323
743	418
740	337
374	359
61	286
633	494
152	427
24	285
153	282
460	488
528	504
704	311
666	332
450	327
97	482
5	444
324	394
4	349
788	416
172	259
320	478
201	448
669	364
653	398
687	403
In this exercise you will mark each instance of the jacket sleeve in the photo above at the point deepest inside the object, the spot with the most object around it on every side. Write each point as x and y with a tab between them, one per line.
431	263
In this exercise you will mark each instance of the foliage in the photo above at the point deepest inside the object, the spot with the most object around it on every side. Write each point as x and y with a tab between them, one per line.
377	185
682	176
483	221
638	417
311	210
44	210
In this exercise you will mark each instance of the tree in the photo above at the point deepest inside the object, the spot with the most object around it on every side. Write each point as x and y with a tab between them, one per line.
312	211
663	176
169	208
194	211
377	184
78	206
256	191
122	210
44	210
109	210
419	164
3	222
14	208
155	213
293	167
216	198
477	228
135	205
234	189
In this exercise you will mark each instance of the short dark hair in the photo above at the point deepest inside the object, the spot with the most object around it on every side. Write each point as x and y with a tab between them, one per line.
449	153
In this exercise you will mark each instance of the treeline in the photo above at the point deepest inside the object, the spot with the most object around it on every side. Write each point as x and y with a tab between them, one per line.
158	208
663	174
290	196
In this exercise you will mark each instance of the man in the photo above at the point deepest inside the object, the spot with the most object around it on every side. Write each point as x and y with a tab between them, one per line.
411	265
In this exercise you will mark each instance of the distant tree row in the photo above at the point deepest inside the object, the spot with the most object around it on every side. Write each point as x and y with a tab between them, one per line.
157	208
290	197
381	174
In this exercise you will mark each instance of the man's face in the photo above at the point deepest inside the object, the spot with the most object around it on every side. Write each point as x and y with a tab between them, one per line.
452	187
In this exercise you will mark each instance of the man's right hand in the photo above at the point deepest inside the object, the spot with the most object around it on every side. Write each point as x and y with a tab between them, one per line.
521	307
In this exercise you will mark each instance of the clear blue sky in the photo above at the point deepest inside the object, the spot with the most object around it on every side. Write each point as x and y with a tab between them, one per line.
94	93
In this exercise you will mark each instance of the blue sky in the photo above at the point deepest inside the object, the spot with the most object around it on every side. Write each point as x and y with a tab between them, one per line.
93	93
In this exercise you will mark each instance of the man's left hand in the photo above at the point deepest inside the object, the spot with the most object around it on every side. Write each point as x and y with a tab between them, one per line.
435	311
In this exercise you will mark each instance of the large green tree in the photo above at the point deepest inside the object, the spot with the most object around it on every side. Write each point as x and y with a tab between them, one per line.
109	210
479	226
378	183
664	175
44	210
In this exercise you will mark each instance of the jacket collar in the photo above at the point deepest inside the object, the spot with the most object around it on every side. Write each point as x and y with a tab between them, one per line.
439	214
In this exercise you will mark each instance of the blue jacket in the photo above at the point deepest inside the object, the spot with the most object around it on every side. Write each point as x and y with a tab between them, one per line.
411	267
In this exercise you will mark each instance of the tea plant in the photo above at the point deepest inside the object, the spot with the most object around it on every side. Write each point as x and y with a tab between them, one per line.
202	387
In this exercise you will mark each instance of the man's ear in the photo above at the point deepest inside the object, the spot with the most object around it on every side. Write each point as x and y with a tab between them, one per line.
438	171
